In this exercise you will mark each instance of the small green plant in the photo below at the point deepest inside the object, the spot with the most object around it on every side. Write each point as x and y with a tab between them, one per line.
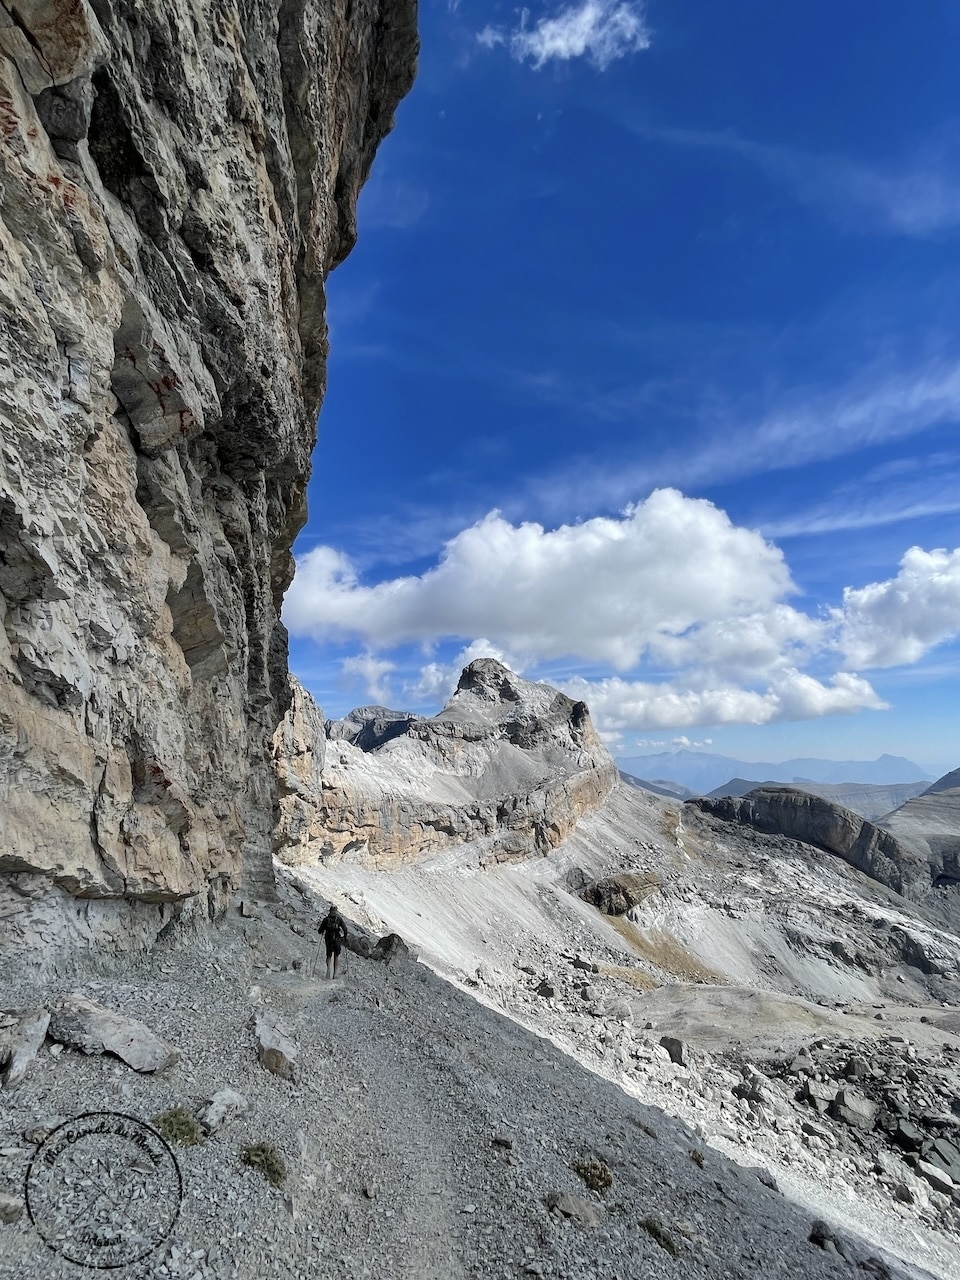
663	1238
595	1174
265	1157
697	1157
179	1125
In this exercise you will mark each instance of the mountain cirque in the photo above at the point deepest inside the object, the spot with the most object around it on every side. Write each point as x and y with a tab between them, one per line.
747	982
177	180
508	766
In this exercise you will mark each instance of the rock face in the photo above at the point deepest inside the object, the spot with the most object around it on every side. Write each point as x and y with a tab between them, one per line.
175	183
506	762
797	815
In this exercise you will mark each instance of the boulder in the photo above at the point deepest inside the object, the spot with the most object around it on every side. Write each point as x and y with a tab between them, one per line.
616	895
854	1109
20	1043
276	1050
677	1049
11	1207
820	1092
937	1177
221	1107
81	1024
574	1207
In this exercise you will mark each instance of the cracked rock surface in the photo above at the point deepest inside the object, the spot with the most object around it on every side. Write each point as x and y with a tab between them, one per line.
176	180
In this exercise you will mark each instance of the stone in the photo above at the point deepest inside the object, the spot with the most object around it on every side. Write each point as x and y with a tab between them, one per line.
820	1092
11	1207
89	1027
574	1207
908	1136
618	894
276	1050
546	989
937	1177
588	966
763	1175
677	1049
388	948
818	1131
223	1106
854	1109
20	1043
946	1155
823	1235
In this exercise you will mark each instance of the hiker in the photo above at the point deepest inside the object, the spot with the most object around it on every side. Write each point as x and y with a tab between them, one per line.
334	933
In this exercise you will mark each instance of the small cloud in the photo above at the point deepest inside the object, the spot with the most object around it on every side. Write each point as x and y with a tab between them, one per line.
792	695
687	743
368	673
601	31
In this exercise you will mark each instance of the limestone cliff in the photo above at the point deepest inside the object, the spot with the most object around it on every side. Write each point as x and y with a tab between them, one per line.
797	815
177	180
507	763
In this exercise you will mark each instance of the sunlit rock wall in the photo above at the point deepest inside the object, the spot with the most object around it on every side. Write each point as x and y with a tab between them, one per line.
508	766
177	177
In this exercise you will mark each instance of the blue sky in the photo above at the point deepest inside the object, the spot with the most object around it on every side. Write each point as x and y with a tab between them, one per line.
645	377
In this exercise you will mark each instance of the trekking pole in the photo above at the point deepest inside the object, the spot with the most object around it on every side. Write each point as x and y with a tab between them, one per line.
316	959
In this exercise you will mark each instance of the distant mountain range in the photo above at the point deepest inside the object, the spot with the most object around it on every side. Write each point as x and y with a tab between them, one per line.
701	771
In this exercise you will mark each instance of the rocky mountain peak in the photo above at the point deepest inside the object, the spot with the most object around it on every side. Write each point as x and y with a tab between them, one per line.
508	763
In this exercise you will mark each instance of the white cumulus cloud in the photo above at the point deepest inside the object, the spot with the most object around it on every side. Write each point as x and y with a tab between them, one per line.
600	30
668	570
620	706
897	621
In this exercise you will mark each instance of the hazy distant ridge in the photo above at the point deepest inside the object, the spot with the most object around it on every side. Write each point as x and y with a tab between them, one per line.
702	771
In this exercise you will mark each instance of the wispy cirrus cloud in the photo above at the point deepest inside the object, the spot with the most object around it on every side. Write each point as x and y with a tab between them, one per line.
908	489
810	425
602	31
920	198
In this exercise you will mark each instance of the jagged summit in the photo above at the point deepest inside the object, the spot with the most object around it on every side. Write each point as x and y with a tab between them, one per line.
507	762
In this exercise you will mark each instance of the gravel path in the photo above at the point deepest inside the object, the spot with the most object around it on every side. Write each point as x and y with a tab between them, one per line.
423	1135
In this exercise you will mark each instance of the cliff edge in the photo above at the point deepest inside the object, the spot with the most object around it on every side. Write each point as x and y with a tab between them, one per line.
176	181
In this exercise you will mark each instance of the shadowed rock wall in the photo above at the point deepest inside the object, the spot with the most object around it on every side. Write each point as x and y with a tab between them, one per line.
177	177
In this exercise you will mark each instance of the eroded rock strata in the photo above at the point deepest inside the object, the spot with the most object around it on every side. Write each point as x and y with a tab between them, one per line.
507	763
797	815
177	181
